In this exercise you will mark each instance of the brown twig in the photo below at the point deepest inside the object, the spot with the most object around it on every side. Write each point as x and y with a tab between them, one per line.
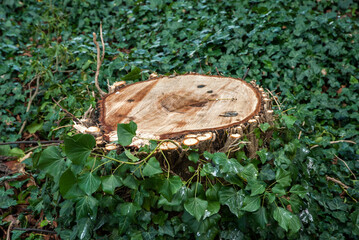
245	74
32	97
333	142
278	104
346	166
35	230
99	62
67	112
103	44
8	233
336	181
33	142
300	133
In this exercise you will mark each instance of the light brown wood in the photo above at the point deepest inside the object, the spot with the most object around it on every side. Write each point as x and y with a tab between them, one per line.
169	107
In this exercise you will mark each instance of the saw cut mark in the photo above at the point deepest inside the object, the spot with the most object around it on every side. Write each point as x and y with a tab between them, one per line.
181	104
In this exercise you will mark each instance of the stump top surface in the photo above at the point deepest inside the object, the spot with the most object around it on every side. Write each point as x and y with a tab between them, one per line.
170	106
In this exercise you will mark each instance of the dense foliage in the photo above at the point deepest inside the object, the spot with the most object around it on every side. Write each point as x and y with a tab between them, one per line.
306	52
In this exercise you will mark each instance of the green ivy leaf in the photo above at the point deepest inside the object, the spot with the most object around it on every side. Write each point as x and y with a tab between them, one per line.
67	182
78	148
256	187
249	172
283	177
5	200
260	217
126	132
213	208
298	189
51	161
170	186
86	207
251	204
152	168
128	209
289	120
110	183
34	127
278	190
264	126
194	157
196	207
130	156
89	182
287	220
233	199
133	75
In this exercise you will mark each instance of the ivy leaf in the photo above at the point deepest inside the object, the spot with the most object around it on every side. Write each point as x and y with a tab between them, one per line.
133	75
126	132
283	177
233	199
110	183
264	127
249	172
132	157
5	200
89	182
251	204
86	207
298	189
128	209
194	157
170	186
289	120
286	219
79	147
278	190
196	207
212	208
256	188
152	167
67	182
260	217
51	161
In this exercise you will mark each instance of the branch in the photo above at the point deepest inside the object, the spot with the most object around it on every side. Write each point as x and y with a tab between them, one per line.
32	97
333	142
99	62
35	230
336	181
103	44
67	112
32	142
245	75
346	166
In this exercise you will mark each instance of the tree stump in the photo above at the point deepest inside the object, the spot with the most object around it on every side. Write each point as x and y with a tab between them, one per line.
209	113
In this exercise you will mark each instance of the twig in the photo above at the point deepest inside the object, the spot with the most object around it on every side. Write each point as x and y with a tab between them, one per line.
346	166
278	104
336	181
8	233
245	75
300	133
99	62
32	97
33	142
103	44
333	142
36	230
218	71
67	112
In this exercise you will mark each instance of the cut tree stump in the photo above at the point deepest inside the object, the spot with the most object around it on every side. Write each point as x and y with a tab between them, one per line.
209	113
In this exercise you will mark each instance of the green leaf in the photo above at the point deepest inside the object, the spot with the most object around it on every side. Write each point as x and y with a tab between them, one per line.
89	182
128	209
262	155
256	187
213	208
67	181
233	199
132	157
298	189
353	80
278	190
78	148
133	75
51	161
261	217
110	183
287	220
194	157
152	167
86	207
34	127
270	196
249	172
289	120
196	207
283	177
264	126
251	204
170	186
5	200
126	132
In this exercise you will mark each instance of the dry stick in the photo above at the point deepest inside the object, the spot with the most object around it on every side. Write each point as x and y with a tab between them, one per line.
333	142
103	44
346	166
67	112
8	235
32	97
246	73
99	62
300	133
32	142
336	181
278	104
36	230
